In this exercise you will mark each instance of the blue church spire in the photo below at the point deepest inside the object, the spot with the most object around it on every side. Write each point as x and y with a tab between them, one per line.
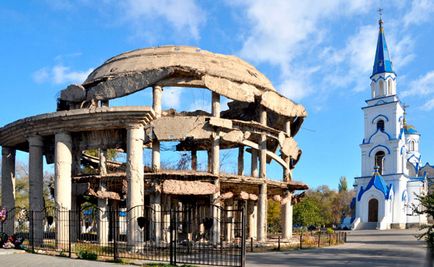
382	61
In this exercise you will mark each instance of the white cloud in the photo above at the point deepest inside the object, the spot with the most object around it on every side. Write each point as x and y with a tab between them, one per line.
60	74
283	33
421	11
172	97
429	105
422	87
180	14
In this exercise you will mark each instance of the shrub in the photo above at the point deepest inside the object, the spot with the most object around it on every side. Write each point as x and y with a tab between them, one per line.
330	231
86	255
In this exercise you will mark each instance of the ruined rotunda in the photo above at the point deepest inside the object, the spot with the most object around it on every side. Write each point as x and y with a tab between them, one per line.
260	123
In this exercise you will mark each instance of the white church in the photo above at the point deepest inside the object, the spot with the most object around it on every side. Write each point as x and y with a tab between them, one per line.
392	173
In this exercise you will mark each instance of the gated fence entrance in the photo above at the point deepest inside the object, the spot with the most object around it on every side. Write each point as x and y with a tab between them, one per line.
205	235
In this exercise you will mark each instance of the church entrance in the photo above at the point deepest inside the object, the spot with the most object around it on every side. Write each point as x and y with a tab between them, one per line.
373	210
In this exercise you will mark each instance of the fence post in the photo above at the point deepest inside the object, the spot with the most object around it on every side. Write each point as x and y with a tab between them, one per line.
345	237
251	244
301	239
319	239
330	239
175	236
69	233
243	235
115	235
278	243
32	236
172	233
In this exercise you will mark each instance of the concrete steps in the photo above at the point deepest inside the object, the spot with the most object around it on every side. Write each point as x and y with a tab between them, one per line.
367	226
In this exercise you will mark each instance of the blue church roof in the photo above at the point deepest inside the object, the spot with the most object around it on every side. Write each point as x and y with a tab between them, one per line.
378	182
409	129
382	62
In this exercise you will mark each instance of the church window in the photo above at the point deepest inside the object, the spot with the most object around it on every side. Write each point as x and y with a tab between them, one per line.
389	87
412	145
373	89
379	161
380	125
381	84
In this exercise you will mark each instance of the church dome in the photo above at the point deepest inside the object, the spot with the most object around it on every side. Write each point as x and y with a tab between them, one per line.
410	129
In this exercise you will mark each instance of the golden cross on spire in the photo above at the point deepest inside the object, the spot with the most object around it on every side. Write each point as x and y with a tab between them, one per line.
380	12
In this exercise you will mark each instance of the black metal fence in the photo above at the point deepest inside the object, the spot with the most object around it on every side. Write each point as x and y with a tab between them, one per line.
205	235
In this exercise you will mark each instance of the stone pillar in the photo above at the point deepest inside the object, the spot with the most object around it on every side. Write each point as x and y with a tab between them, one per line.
287	171
229	235
157	91
194	160
262	212
156	218
254	168
216	170
166	218
252	220
215	105
135	198
241	160
36	181
156	155
62	186
286	211
8	187
103	214
262	201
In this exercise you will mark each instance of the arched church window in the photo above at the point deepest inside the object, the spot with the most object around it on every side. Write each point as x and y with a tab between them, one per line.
380	125
381	91
379	161
373	89
389	87
412	145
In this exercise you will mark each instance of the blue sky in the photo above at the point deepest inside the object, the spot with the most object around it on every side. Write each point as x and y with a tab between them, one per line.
318	53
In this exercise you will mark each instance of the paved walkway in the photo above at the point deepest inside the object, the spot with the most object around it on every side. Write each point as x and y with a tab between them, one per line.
364	248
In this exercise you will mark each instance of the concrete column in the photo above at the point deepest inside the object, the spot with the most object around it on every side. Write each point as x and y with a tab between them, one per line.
263	146
8	187
157	91
194	160
229	235
254	168
36	181
135	199
156	165
103	220
252	220
166	218
103	162
215	105
262	212
156	218
216	170
241	160
286	211
287	171
62	185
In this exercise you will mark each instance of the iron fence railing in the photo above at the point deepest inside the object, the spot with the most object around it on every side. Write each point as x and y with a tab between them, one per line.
190	235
